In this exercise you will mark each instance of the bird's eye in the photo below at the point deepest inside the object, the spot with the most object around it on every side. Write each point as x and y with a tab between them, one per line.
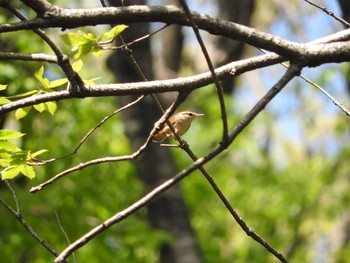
190	113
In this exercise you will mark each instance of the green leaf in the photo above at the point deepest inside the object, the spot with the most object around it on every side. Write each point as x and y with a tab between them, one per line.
23	95
75	39
8	146
40	107
57	83
3	87
83	50
80	42
38	153
51	107
39	76
77	65
4	100
92	81
20	157
5	162
27	170
22	112
97	52
10	172
8	134
114	32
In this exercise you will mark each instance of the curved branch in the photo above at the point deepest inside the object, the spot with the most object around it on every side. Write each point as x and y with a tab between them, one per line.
291	72
180	84
73	18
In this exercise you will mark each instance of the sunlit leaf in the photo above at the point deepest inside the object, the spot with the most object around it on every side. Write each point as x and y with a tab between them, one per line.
92	81
3	87
97	52
51	107
40	107
8	134
38	153
10	172
22	112
27	170
83	50
23	95
57	83
39	76
5	162
77	65
3	100
75	39
8	146
114	32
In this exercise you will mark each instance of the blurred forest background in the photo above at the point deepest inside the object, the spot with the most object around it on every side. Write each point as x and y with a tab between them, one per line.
287	175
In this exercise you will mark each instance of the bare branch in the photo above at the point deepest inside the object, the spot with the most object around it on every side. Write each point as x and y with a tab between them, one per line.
219	89
64	232
328	12
62	59
28	57
334	100
132	156
43	162
185	84
291	72
26	226
73	18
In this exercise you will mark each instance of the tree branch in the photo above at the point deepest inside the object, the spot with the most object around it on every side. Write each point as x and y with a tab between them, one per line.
28	57
184	84
73	18
291	72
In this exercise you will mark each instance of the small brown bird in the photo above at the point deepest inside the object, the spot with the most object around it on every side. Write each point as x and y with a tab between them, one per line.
181	122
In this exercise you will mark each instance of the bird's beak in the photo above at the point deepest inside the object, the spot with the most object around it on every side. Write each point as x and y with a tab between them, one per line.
200	115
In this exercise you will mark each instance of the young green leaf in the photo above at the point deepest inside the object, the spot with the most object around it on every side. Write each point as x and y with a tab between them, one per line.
58	82
39	76
10	172
7	146
4	100
83	50
23	95
8	134
22	112
76	39
3	87
114	32
51	106
27	170
91	81
77	65
40	107
33	155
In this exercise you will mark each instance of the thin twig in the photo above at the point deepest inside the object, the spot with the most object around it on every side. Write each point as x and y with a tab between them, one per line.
21	220
248	118
62	59
43	162
64	233
334	100
328	12
219	89
132	156
133	41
